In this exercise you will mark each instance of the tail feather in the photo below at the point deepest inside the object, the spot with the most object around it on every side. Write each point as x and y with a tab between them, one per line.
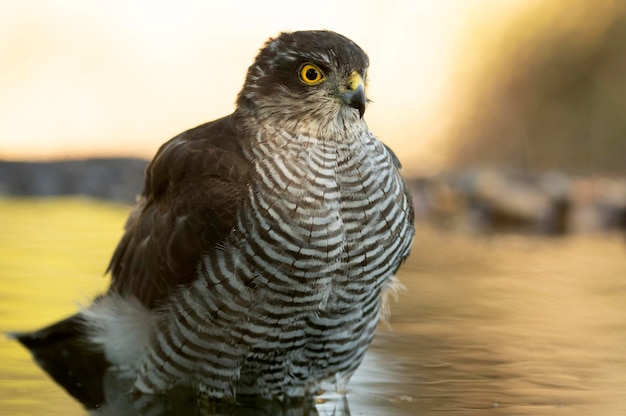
64	352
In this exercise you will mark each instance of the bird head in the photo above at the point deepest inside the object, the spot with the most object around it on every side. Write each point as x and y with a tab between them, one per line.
308	82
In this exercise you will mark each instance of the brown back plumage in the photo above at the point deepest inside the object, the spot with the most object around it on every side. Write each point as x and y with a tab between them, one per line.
193	188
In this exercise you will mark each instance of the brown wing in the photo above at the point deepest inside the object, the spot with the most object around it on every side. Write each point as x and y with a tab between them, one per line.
193	189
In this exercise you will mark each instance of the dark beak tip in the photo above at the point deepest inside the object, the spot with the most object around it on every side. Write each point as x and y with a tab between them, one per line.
357	100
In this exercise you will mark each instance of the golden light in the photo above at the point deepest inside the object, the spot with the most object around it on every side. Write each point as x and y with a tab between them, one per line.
121	77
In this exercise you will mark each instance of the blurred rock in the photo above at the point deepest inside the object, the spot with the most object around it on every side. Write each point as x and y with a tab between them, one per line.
548	203
599	205
436	201
481	200
522	202
114	179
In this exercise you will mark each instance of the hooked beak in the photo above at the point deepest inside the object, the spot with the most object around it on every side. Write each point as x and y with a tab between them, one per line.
354	94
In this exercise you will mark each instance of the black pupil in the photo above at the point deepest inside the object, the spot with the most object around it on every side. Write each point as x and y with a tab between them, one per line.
311	74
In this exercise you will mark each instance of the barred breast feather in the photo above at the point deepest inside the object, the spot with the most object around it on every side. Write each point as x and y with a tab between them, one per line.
291	296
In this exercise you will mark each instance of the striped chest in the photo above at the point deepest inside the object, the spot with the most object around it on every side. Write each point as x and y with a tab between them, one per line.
325	225
329	218
293	296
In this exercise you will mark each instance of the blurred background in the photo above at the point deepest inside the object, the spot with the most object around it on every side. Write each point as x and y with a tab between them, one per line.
509	118
521	95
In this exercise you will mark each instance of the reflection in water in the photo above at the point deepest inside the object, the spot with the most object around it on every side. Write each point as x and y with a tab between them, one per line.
499	326
184	403
104	391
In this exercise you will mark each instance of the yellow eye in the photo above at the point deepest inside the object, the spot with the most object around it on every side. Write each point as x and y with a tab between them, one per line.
311	74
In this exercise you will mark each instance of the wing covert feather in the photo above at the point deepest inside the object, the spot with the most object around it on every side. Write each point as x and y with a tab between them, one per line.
193	188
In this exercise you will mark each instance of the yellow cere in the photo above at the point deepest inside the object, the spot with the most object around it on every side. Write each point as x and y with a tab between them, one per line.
355	80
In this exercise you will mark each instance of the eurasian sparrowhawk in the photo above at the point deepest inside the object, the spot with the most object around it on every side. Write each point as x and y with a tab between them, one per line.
255	258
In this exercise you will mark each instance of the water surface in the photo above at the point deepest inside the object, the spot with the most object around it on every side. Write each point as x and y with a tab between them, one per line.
501	325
